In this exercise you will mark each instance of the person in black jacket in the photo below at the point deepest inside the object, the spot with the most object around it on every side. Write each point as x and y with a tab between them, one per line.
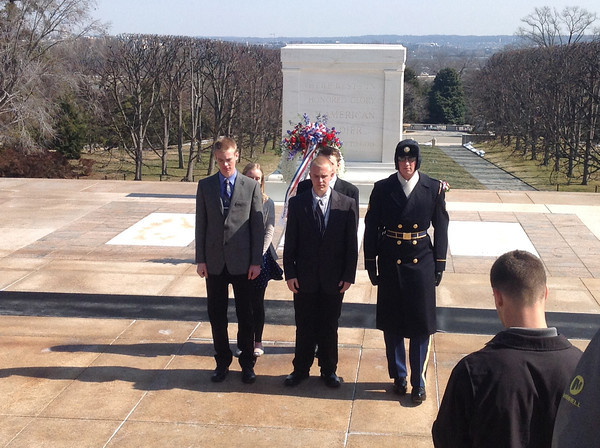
340	185
507	394
405	264
319	260
579	410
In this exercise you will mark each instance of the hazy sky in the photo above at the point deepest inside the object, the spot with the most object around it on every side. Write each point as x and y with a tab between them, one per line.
320	18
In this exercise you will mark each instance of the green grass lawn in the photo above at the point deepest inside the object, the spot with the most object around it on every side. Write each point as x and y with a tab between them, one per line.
435	163
543	178
117	165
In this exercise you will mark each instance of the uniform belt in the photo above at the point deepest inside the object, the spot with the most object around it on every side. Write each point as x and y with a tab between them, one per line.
405	235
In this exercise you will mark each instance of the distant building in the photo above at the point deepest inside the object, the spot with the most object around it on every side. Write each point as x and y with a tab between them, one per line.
425	78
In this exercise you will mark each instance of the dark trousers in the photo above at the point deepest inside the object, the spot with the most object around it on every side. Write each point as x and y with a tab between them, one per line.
317	318
258	312
418	356
218	298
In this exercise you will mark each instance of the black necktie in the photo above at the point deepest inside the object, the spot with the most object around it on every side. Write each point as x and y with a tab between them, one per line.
320	218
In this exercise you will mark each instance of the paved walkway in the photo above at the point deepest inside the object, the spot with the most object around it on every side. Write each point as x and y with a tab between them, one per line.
108	344
488	174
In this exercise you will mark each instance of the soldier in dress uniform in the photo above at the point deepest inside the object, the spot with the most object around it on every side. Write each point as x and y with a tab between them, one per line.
405	264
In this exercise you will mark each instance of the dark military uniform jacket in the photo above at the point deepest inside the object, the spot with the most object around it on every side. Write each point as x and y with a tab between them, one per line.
506	394
396	236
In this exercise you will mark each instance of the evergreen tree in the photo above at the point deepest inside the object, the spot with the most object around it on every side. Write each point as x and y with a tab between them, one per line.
70	130
447	98
415	98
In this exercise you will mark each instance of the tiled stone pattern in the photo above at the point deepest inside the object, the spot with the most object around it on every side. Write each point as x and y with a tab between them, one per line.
127	382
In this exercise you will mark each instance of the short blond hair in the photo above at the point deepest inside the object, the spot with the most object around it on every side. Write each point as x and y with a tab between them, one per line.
321	160
224	143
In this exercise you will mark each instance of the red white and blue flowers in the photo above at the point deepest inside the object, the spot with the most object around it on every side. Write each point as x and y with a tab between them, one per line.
299	147
306	135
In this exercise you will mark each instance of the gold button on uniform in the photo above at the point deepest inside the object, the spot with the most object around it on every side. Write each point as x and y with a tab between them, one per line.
398	261
398	242
415	261
399	226
415	226
414	242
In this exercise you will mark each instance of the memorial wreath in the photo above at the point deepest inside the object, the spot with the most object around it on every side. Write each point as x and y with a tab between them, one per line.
299	147
303	141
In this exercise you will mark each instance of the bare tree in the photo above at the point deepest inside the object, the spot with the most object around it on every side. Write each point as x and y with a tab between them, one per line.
547	27
180	88
28	30
196	60
576	22
549	99
220	68
132	76
259	75
168	85
273	109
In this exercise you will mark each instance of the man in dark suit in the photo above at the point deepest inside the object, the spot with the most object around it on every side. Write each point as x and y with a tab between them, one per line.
405	264
337	184
229	240
319	259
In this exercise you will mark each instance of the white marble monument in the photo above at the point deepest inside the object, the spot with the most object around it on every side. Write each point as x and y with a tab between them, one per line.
359	87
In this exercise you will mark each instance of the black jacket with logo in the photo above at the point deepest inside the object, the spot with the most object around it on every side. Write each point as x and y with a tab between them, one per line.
506	394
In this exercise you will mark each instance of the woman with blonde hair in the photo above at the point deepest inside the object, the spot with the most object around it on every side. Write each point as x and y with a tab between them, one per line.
269	268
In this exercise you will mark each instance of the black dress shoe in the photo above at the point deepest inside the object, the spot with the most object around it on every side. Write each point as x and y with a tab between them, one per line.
219	374
294	378
400	386
248	375
331	380
418	395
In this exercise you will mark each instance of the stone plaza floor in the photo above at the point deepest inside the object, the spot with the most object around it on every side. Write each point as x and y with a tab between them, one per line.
104	338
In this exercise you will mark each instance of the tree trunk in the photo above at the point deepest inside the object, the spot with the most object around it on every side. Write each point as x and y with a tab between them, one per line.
574	148
546	159
589	141
165	148
139	155
189	175
180	134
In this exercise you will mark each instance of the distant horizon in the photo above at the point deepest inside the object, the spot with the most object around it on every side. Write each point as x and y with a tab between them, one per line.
306	39
264	19
371	35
